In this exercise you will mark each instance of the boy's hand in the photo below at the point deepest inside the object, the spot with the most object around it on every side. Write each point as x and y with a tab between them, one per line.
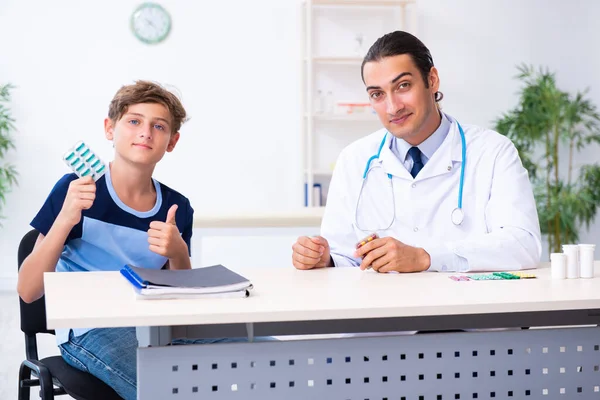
80	196
164	237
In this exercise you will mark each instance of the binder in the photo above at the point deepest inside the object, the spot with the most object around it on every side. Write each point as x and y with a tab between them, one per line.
165	296
213	281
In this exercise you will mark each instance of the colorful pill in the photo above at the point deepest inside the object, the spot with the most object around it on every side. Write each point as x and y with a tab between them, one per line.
75	161
81	146
68	158
524	275
366	240
99	170
85	153
90	158
86	172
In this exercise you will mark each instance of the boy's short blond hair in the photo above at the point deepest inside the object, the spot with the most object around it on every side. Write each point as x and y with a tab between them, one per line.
147	92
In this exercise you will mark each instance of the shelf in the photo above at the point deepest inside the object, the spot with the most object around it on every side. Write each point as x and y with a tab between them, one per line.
305	216
320	172
366	3
331	122
358	117
352	60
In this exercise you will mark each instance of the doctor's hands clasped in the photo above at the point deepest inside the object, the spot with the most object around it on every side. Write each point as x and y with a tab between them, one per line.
388	254
311	252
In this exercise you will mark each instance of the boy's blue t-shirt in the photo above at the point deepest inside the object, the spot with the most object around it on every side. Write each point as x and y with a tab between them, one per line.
111	234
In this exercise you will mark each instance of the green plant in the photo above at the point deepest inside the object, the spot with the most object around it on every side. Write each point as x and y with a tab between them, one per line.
8	174
548	119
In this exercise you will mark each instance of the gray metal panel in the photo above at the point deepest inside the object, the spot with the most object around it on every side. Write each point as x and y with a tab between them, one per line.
519	364
420	323
153	335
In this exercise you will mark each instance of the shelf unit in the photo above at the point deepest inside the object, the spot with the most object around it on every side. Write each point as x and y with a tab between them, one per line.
343	66
367	3
356	117
355	61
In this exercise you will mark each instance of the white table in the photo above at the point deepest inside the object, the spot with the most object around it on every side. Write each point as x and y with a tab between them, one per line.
302	217
287	301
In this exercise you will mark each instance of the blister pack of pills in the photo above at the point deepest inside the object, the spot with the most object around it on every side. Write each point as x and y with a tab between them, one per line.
523	275
459	278
84	162
495	276
501	276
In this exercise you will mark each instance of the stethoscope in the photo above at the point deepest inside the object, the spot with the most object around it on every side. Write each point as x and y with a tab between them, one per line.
458	214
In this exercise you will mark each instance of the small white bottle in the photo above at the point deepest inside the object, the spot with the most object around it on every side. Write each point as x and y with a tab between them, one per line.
586	260
358	45
329	103
319	103
572	252
558	265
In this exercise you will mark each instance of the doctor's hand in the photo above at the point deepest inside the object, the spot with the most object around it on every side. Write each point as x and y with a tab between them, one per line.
388	254
164	237
311	252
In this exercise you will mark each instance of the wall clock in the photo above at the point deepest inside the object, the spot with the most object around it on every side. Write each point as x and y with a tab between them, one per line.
151	23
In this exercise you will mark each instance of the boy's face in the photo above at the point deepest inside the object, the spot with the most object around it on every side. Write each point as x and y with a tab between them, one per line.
143	134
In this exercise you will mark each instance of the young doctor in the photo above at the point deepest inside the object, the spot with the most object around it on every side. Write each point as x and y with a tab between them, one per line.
439	195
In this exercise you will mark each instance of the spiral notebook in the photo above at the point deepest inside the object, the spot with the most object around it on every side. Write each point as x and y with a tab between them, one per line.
213	281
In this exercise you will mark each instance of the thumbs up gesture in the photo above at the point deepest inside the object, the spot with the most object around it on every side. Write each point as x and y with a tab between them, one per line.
164	237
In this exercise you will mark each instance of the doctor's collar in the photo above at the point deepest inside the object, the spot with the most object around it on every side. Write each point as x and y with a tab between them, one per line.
428	147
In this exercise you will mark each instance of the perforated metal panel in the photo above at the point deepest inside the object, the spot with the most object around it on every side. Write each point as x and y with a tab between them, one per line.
521	364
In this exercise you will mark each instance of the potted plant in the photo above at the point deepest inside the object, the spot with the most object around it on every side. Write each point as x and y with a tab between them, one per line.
545	120
8	174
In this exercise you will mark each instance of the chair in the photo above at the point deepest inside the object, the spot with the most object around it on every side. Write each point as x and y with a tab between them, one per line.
54	376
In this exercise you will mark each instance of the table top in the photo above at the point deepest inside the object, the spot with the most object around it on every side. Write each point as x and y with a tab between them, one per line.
302	217
106	299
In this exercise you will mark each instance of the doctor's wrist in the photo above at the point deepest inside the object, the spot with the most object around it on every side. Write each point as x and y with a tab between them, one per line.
330	263
326	262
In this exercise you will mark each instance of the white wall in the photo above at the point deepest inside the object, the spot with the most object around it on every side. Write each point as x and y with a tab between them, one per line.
236	64
477	44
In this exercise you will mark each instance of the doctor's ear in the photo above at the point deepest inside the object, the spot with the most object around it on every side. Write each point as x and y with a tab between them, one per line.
433	79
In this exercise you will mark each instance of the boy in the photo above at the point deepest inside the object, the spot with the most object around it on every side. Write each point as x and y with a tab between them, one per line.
124	217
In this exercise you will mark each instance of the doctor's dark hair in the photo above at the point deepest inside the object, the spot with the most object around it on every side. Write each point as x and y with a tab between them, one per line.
397	43
147	92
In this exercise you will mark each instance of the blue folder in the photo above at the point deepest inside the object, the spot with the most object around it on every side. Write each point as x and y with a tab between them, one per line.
213	279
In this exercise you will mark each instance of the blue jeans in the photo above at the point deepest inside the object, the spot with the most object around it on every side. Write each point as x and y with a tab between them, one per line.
110	355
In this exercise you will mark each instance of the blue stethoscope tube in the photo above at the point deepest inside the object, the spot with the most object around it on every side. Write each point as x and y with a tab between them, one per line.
458	215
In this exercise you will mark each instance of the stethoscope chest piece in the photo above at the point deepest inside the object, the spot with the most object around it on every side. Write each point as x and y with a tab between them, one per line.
457	216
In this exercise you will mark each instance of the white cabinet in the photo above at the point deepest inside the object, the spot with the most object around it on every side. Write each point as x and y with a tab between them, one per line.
336	36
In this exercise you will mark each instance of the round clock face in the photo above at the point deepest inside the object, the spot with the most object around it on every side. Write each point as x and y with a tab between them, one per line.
151	23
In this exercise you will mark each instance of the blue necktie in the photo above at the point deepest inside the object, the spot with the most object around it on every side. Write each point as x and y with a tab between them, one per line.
415	154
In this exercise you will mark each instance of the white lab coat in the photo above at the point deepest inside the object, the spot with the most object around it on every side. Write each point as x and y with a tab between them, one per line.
500	230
